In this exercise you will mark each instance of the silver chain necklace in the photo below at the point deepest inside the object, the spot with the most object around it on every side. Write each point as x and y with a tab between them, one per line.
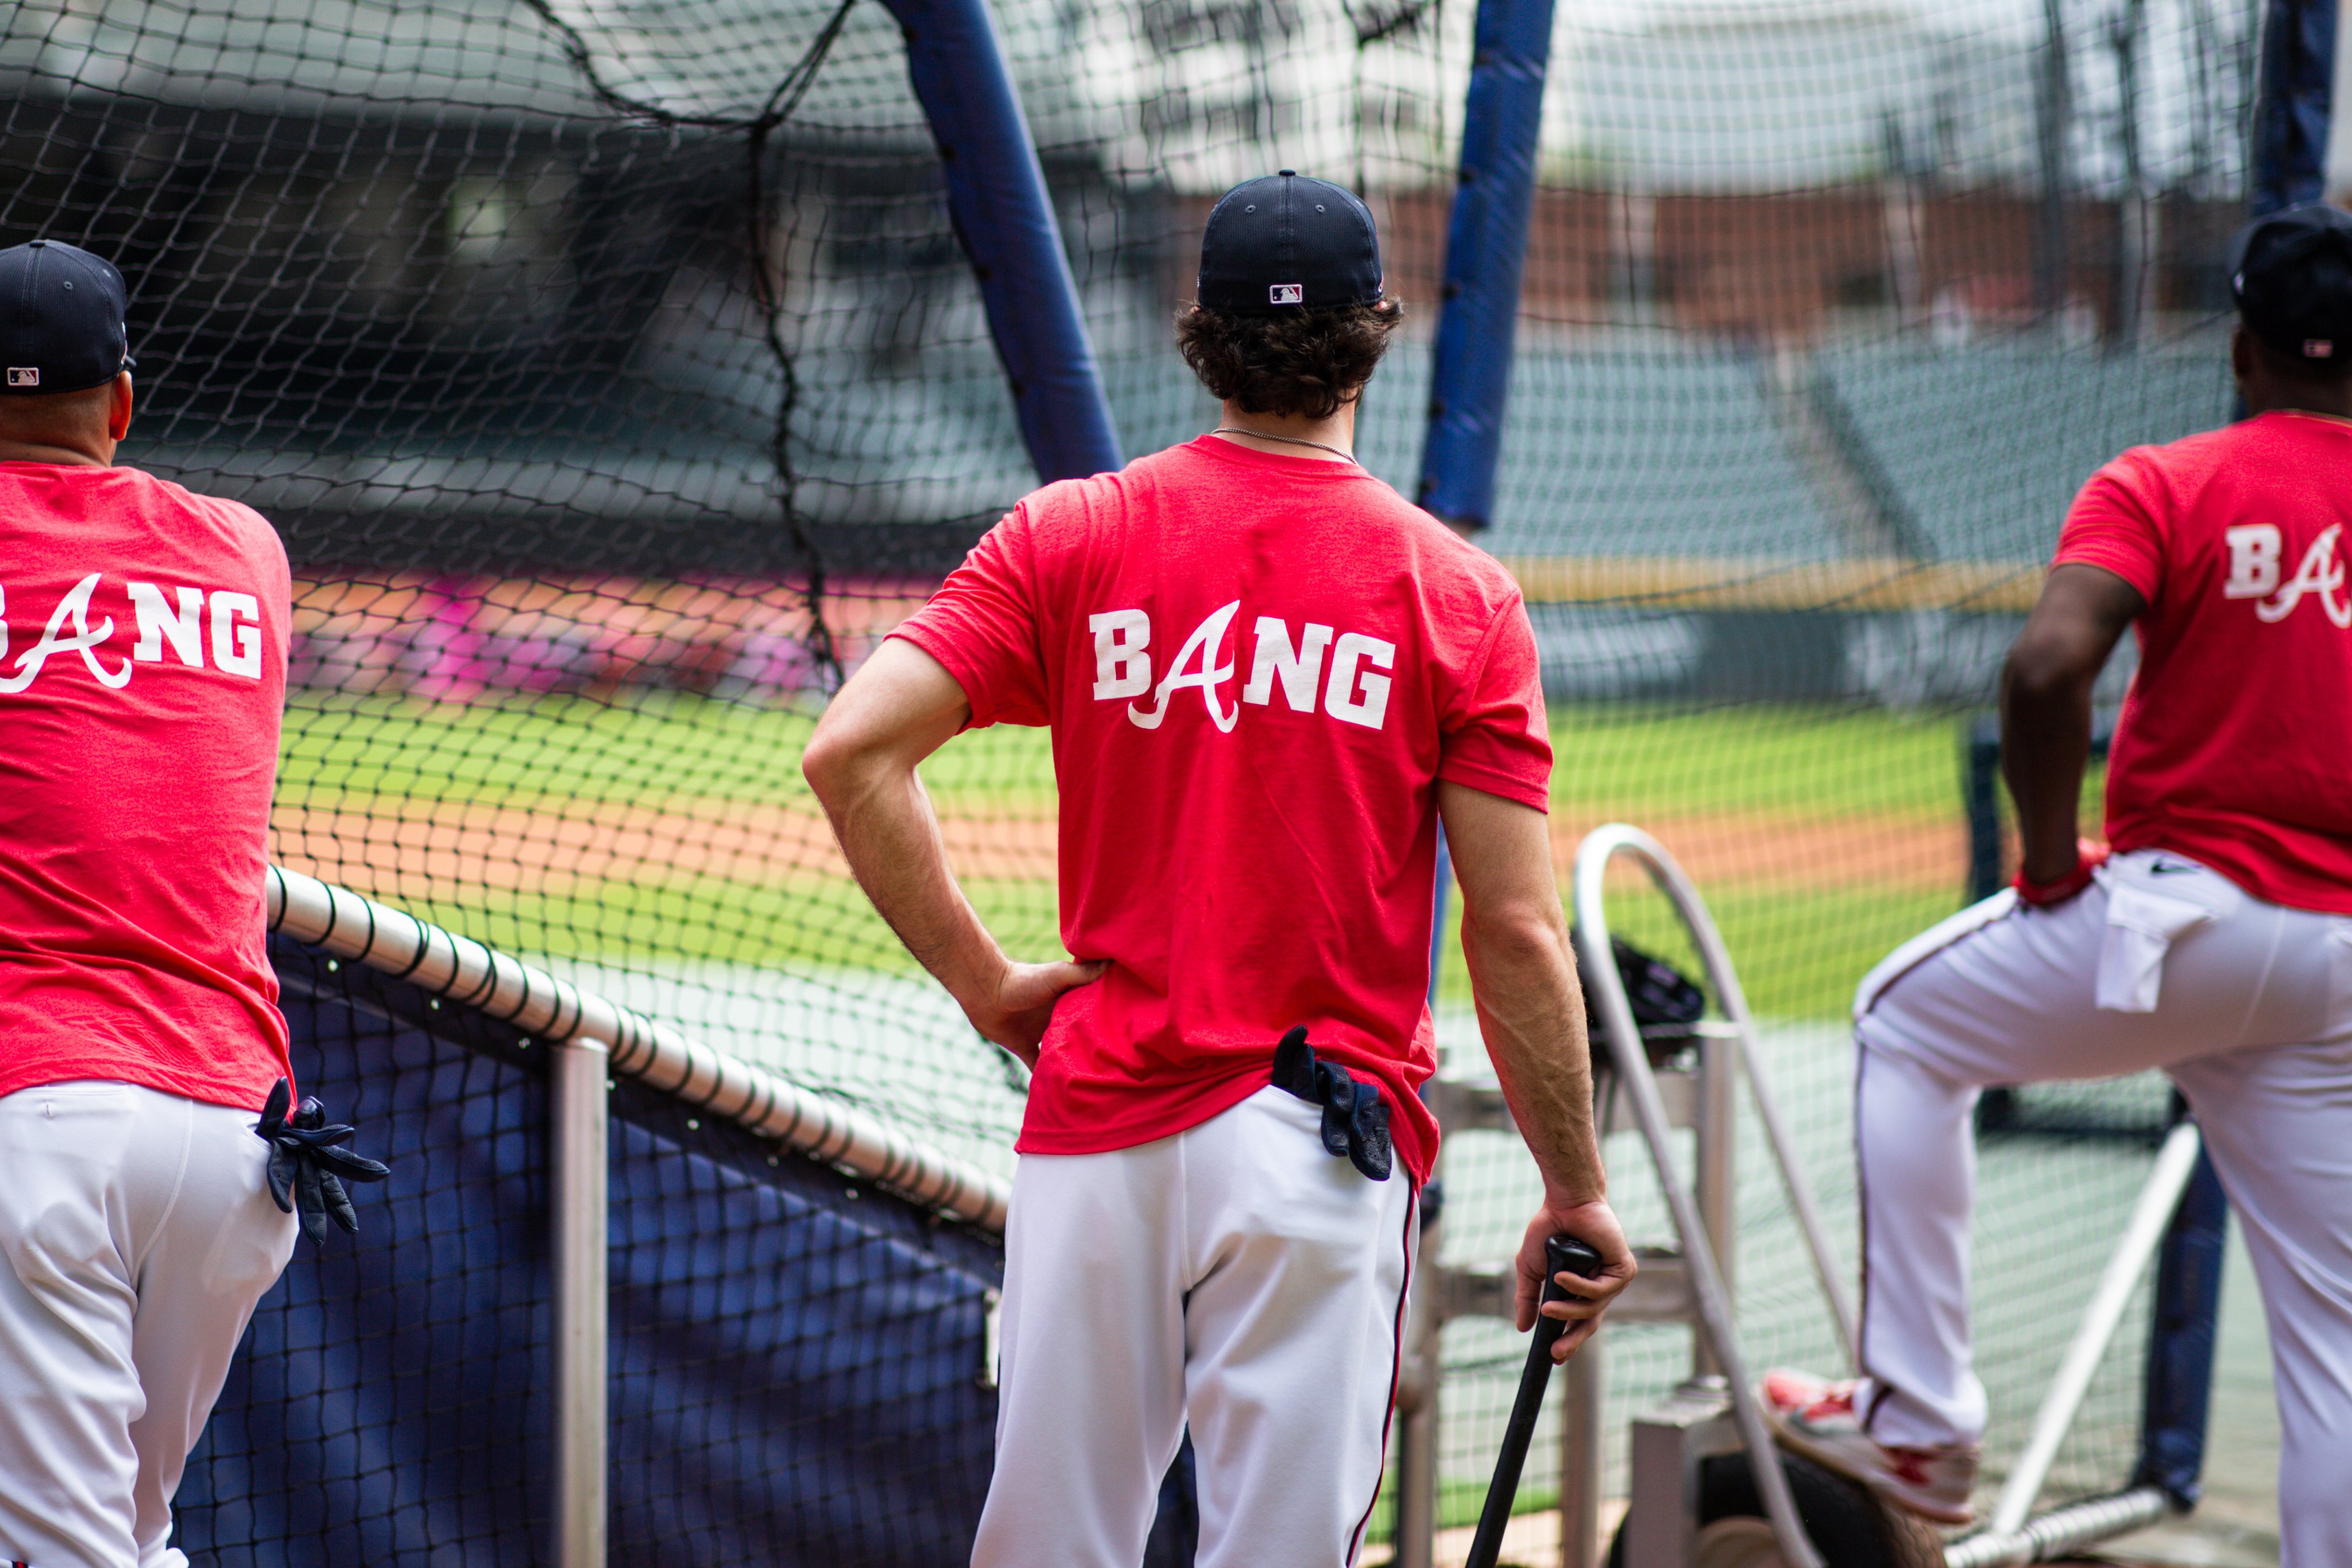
1294	440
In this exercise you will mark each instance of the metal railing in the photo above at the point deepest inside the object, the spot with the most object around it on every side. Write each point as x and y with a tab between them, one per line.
1688	1283
590	1039
1691	1283
500	986
1702	1240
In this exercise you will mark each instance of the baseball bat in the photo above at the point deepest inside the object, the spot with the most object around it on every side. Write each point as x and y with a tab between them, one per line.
1561	1254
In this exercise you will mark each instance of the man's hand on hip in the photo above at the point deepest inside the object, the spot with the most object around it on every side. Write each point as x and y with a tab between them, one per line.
1013	1012
1595	1225
900	707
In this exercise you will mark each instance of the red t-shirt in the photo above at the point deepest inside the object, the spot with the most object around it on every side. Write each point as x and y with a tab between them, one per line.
141	684
1256	669
2234	746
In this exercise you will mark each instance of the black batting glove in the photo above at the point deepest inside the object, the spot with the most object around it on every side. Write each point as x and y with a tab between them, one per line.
307	1167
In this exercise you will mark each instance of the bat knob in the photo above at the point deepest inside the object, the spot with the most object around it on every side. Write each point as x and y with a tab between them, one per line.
1566	1255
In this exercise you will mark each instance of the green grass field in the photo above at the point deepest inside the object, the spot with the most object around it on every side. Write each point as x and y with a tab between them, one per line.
1629	760
679	828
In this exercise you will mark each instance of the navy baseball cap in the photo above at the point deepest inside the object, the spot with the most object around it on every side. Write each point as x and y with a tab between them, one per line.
2291	275
61	326
1285	242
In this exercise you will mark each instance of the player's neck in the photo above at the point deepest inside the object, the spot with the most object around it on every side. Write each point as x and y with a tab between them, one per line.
2266	393
75	429
2311	408
71	433
1332	440
73	457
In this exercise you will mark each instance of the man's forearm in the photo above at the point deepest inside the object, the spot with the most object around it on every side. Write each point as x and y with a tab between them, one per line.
2045	707
890	836
1531	1014
2046	746
901	706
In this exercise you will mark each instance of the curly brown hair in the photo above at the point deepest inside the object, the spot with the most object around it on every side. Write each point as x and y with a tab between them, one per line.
1303	363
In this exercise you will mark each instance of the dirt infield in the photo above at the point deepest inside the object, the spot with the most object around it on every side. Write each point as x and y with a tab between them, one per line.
414	849
1886	850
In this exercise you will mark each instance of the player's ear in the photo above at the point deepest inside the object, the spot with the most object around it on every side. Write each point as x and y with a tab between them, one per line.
118	412
2242	355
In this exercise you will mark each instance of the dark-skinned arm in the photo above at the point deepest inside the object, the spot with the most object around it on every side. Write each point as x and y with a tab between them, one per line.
899	708
1531	1015
2045	707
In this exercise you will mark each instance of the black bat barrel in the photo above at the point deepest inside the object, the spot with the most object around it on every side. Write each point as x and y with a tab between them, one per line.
1562	1254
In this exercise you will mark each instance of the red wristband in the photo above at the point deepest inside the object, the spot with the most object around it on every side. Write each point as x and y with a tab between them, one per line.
2088	858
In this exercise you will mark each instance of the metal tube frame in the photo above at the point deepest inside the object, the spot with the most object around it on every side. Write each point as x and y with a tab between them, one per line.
1582	1473
1715	1176
1417	1408
2010	1537
2175	1164
2062	1529
500	986
1717	1323
576	1089
1424	1350
1710	1202
1676	885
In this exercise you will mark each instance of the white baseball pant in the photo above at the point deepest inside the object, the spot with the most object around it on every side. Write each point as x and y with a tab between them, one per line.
2161	963
1235	1274
139	1234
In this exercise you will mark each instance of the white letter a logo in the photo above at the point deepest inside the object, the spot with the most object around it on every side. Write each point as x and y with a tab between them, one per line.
84	640
1200	649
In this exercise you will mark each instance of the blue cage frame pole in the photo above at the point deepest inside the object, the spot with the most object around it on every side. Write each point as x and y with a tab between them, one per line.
1485	255
1004	218
1470	387
2293	98
2175	1397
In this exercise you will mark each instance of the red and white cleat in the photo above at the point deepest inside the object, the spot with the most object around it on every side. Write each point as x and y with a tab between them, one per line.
1816	1417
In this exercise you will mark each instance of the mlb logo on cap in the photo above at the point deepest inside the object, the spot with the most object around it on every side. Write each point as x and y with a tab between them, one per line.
60	320
1286	293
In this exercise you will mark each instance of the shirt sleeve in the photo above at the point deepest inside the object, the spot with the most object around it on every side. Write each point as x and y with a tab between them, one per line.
982	625
1496	740
281	580
2114	524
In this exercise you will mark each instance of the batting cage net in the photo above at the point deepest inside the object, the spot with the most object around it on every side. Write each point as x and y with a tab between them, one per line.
617	377
799	1359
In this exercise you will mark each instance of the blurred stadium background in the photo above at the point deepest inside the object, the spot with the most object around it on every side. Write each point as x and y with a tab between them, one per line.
616	377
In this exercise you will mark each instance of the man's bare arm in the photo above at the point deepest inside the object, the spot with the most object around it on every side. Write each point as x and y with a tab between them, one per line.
2045	707
901	706
1532	1013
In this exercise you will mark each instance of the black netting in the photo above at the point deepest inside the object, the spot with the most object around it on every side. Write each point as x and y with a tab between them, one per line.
616	377
797	1360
